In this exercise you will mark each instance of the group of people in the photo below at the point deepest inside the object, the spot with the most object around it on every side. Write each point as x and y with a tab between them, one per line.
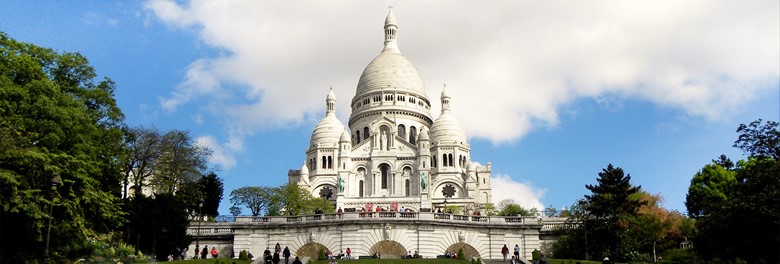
516	256
415	255
275	258
200	253
340	255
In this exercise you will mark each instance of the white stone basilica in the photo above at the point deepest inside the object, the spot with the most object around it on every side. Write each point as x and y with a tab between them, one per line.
393	153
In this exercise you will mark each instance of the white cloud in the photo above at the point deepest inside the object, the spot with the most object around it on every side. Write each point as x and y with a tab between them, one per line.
524	194
508	65
219	155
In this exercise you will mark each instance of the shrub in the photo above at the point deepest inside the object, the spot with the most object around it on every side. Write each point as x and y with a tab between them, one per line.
243	255
536	255
473	261
479	261
321	255
461	255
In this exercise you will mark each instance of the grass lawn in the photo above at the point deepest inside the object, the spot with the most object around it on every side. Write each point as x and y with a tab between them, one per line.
211	261
571	261
397	261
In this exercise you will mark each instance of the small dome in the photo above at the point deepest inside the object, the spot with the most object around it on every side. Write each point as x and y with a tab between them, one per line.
304	169
471	167
424	135
447	130
327	132
390	20
331	95
344	136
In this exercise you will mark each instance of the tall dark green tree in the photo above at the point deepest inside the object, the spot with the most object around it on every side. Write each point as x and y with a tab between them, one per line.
158	236
212	188
609	209
55	119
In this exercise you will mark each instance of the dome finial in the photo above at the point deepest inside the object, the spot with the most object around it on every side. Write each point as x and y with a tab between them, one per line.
445	100
330	102
391	29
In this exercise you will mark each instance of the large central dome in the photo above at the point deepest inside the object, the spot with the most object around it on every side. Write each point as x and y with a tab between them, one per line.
390	71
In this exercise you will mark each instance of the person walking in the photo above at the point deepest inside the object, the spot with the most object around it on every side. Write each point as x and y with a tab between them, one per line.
286	254
297	261
204	252
276	258
505	252
517	252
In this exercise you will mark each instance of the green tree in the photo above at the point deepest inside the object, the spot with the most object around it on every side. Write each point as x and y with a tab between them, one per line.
211	187
751	208
141	156
290	199
550	211
257	199
509	207
158	236
709	189
55	119
182	162
609	208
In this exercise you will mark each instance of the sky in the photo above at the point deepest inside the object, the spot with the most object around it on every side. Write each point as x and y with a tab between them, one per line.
549	92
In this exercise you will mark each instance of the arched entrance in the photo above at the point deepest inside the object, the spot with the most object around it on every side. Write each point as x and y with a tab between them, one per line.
311	250
388	249
469	251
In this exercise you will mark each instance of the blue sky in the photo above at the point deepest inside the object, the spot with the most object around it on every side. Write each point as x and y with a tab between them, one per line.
549	93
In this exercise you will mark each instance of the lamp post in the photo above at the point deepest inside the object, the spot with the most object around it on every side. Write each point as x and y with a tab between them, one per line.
55	182
200	219
445	206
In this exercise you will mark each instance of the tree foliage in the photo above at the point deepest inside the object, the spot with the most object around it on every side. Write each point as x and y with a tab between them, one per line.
288	199
605	218
739	217
55	119
160	236
709	189
211	187
256	198
509	207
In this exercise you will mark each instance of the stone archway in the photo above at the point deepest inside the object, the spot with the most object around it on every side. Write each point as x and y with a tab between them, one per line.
388	249
469	251
311	250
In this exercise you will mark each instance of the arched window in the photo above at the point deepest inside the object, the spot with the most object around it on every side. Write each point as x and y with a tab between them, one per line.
450	160
433	162
324	162
365	132
413	135
357	136
330	162
402	131
385	170
444	160
406	187
360	188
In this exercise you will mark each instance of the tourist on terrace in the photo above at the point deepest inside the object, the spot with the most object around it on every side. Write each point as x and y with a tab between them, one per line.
204	252
286	254
276	258
514	260
517	251
349	254
214	253
297	261
505	252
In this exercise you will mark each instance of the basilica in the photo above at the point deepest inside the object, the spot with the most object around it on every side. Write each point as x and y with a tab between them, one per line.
392	154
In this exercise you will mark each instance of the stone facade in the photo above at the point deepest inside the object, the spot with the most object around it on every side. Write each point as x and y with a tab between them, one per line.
392	149
390	234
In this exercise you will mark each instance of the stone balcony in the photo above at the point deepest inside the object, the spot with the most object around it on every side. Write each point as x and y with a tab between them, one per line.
244	222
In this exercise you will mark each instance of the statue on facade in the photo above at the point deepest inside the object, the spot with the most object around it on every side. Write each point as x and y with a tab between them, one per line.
424	182
387	231
341	184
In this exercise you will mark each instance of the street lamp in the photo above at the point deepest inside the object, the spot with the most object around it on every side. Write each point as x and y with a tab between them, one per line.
200	219
445	206
55	182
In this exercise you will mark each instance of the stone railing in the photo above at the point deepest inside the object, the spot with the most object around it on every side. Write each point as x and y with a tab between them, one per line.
209	231
224	228
396	216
